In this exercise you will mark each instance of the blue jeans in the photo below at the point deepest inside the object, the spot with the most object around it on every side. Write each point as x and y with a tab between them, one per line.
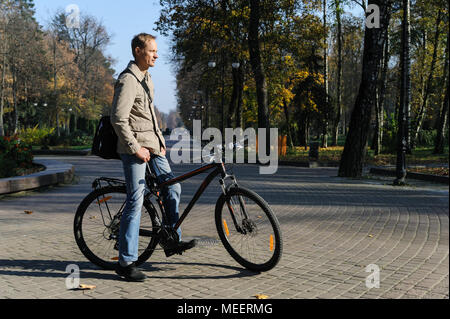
134	171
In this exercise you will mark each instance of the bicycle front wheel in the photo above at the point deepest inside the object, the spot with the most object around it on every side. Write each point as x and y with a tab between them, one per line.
248	229
97	224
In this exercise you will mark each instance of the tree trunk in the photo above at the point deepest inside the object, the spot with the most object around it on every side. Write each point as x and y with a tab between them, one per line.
423	109
288	122
14	93
2	90
378	140
325	75
422	81
234	98
303	130
443	116
353	157
339	75
405	96
258	69
240	100
55	94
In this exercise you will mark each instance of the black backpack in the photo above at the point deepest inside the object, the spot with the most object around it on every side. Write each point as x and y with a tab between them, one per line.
105	140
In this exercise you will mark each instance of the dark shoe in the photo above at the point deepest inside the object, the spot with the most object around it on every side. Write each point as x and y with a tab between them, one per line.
180	247
130	273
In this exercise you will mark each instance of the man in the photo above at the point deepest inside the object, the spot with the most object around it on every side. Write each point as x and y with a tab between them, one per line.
140	142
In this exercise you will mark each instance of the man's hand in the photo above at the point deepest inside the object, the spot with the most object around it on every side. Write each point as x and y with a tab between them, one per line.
143	154
163	151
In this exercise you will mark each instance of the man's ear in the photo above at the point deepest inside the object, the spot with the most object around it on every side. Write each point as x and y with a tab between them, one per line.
136	52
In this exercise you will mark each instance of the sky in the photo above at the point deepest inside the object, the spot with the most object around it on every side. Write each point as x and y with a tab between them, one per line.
123	20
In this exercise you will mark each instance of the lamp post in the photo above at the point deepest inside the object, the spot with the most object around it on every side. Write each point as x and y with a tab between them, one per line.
68	120
211	65
37	104
237	108
200	94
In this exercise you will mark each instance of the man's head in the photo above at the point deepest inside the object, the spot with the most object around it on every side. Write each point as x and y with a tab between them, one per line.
145	50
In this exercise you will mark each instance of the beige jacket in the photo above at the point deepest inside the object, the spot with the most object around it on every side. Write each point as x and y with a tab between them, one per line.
133	117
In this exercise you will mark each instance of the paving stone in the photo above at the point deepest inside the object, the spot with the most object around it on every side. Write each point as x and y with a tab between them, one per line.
332	229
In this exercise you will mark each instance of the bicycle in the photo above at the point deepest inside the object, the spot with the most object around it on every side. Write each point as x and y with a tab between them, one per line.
247	227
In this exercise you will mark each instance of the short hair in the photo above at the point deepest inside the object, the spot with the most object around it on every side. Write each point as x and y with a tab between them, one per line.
140	40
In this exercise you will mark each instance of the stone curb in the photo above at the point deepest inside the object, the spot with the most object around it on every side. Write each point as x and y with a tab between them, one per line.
419	176
62	152
310	164
55	173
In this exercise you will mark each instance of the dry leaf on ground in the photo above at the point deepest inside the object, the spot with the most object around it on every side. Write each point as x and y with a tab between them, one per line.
86	287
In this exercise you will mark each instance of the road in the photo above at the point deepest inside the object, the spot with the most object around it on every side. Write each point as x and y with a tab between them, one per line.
333	228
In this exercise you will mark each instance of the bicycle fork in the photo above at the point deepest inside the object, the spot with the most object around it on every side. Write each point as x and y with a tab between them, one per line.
233	213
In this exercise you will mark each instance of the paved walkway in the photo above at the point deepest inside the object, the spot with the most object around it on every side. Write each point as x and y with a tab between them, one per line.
333	229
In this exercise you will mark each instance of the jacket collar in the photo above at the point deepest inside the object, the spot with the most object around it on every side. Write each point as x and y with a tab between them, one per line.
132	66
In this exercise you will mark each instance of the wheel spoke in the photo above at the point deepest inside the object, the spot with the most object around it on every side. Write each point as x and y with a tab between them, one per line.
93	234
256	245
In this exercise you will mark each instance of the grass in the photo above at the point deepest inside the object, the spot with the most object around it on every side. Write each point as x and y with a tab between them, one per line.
420	156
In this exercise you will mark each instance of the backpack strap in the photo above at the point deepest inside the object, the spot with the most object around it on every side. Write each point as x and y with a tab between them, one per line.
147	90
143	83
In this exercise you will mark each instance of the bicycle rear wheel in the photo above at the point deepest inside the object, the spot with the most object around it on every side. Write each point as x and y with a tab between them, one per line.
248	229
97	224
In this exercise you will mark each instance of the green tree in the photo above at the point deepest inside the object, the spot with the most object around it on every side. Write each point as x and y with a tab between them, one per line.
353	156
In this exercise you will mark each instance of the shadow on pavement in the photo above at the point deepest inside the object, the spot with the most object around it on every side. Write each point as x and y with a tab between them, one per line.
57	269
240	272
51	269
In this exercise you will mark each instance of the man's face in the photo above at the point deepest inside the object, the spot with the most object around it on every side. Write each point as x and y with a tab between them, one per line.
148	55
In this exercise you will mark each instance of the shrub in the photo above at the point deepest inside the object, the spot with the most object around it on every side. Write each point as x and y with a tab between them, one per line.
15	155
426	138
76	138
390	134
80	138
35	136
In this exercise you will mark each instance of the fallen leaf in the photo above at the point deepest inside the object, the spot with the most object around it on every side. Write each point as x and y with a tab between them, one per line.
86	287
260	296
371	236
28	212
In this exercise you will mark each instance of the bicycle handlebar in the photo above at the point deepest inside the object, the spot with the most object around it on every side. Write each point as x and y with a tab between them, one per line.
231	146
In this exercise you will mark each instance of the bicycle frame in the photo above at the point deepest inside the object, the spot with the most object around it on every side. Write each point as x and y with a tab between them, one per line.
218	169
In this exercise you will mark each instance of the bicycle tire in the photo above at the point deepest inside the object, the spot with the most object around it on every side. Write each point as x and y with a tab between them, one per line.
80	222
264	221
